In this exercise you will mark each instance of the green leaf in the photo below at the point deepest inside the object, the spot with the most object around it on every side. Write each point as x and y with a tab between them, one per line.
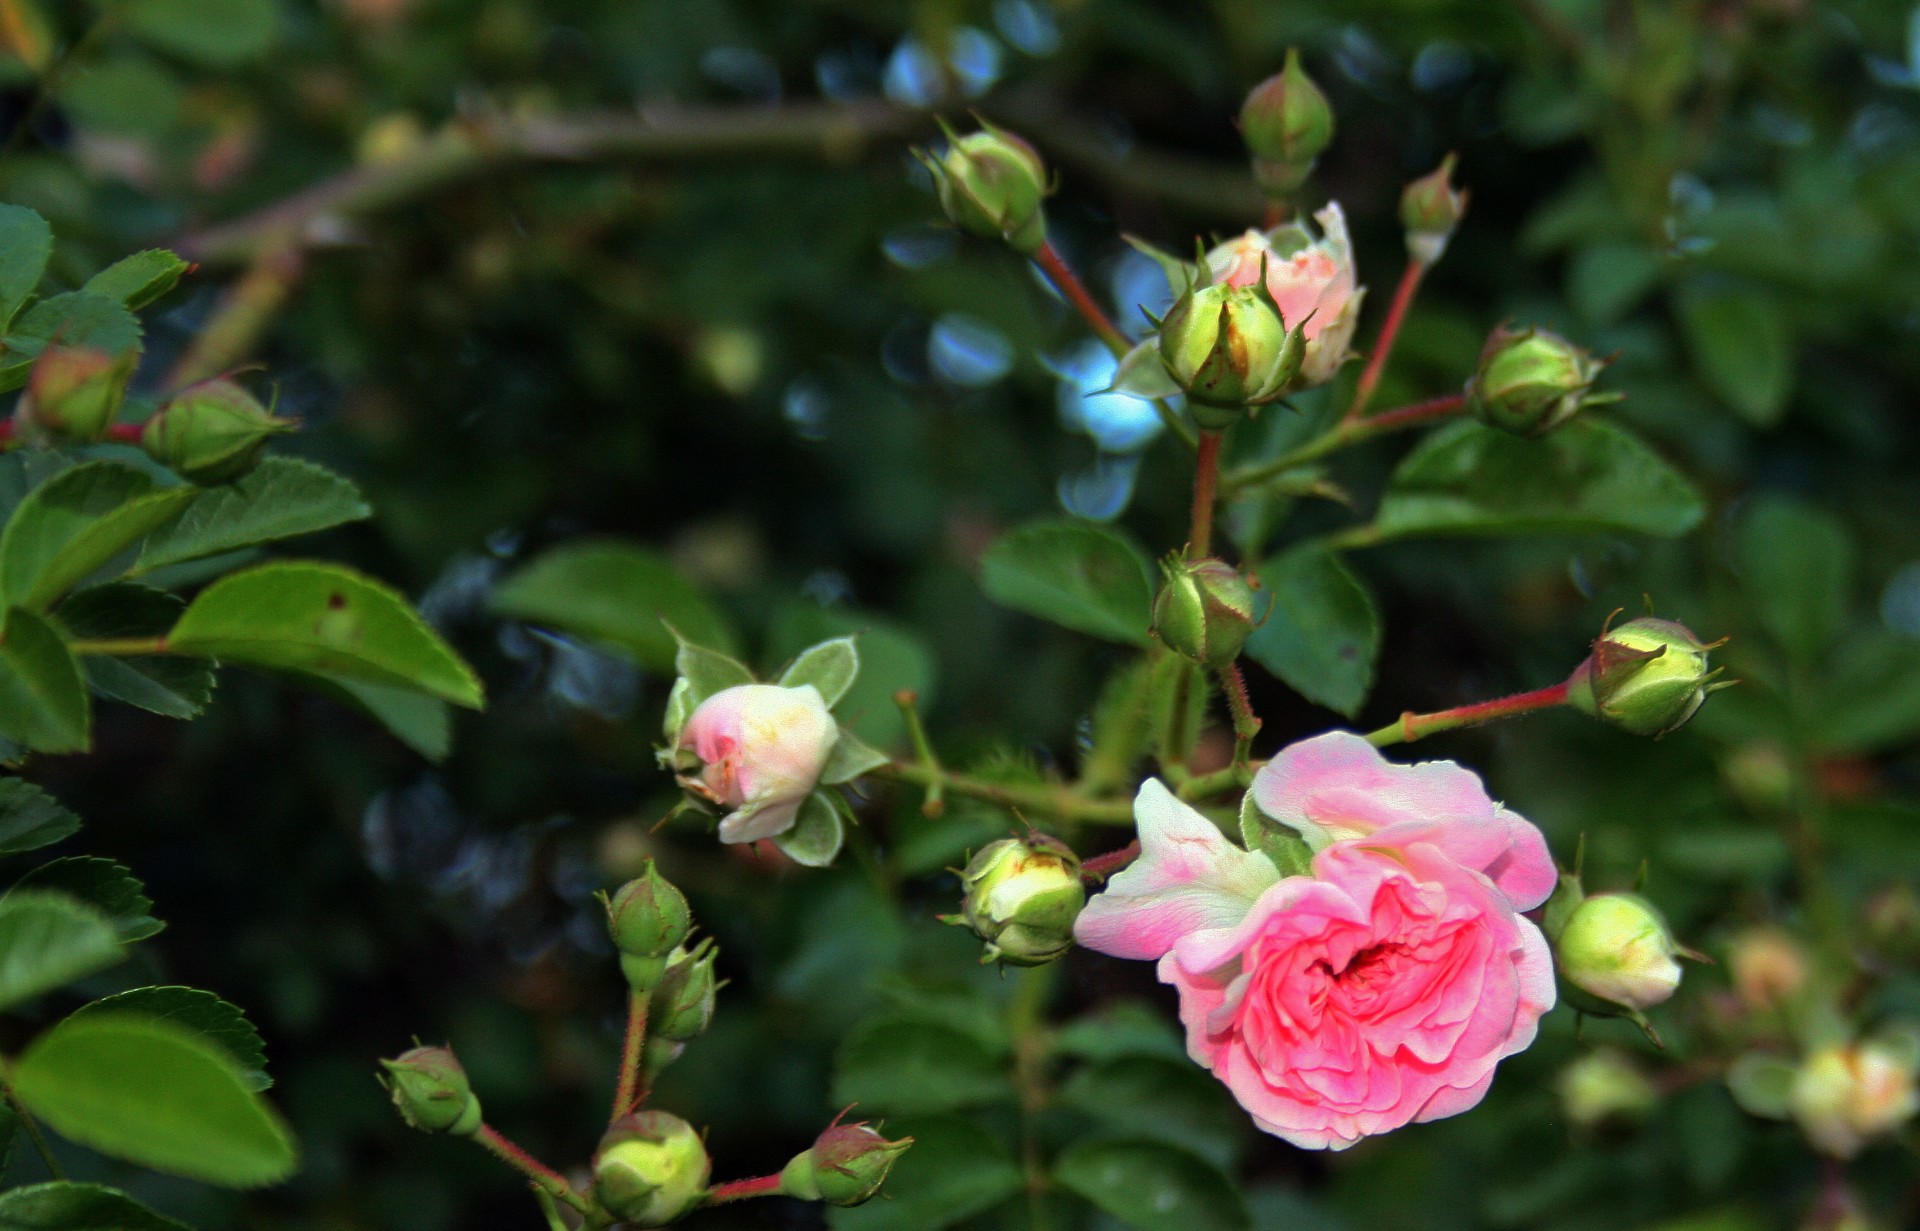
214	32
817	832
617	593
73	524
906	1066
1762	1085
154	1093
707	672
1587	476
1179	701
26	241
422	723
30	818
1796	570
9	1133
203	1013
49	939
1740	343
1076	574
138	280
43	701
1167	1100
1322	633
893	659
102	884
63	1206
851	757
298	615
283	497
1153	1186
77	318
830	667
955	1171
1281	844
1869	699
161	683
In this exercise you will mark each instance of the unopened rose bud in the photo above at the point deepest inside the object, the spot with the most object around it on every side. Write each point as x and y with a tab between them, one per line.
1615	946
1022	896
991	183
1605	1085
1768	966
760	749
1845	1095
1204	610
212	432
74	392
845	1166
1286	122
430	1089
1228	348
651	1168
1311	282
1530	381
1430	208
1647	676
647	918
683	1001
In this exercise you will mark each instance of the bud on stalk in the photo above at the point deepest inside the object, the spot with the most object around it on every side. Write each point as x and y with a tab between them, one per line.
1648	677
212	432
651	1168
1430	209
683	1001
1229	349
1022	896
430	1089
1286	122
1531	381
1615	946
991	183
1204	610
74	392
845	1166
647	918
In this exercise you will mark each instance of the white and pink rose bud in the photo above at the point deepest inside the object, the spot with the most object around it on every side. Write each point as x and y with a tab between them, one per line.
1311	279
761	749
1844	1095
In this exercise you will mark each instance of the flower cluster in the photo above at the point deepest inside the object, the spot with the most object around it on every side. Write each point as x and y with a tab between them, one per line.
1379	988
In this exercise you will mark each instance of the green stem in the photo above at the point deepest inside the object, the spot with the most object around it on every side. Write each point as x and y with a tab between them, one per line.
1413	726
1032	1043
1343	435
626	1092
1246	724
548	1209
34	1135
935	803
120	647
543	1176
1238	776
1057	801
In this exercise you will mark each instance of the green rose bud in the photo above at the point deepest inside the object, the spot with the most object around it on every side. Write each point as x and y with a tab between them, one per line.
1616	947
212	432
430	1089
845	1166
1022	896
1648	676
1228	348
683	1001
1605	1085
991	183
1286	121
648	919
74	392
1531	381
1430	209
1204	610
650	1169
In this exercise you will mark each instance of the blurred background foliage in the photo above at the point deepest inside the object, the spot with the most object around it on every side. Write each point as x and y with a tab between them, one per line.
662	269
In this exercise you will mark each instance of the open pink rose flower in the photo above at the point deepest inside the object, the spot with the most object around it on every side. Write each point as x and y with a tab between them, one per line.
1382	990
761	748
1311	279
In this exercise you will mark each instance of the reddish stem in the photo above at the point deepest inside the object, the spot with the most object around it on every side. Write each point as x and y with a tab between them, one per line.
626	1095
1415	414
1206	476
1100	867
120	433
1246	724
740	1190
1415	726
1383	345
542	1175
1075	292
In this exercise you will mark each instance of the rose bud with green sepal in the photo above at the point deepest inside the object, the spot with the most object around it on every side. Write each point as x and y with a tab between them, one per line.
1616	948
1228	349
74	392
1286	122
1430	209
846	1165
1531	381
430	1089
1204	610
1022	896
759	750
1312	282
647	918
991	183
212	432
1648	676
651	1168
683	1000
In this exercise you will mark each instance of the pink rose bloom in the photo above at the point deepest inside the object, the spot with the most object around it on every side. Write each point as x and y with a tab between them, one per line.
1312	280
762	748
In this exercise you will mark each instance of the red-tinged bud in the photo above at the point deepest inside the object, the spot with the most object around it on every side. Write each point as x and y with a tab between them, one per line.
74	392
845	1166
1286	122
1531	381
1430	208
1022	896
648	919
991	183
1845	1095
430	1089
1647	676
212	432
1204	610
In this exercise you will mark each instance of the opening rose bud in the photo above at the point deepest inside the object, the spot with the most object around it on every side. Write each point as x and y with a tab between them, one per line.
1286	122
1022	896
650	1169
1842	1096
212	432
1648	676
991	183
74	392
1228	348
846	1165
1615	946
1204	610
1310	279
431	1092
1430	209
761	749
1532	381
